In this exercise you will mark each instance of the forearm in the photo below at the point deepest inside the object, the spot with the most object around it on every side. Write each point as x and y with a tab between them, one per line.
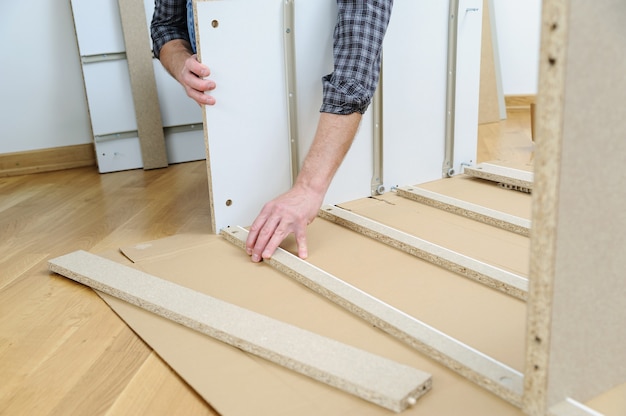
332	141
173	56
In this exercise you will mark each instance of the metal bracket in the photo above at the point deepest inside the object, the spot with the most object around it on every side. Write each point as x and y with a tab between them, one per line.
290	72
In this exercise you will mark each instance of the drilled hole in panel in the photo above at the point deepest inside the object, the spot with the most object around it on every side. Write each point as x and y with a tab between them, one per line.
229	202
215	23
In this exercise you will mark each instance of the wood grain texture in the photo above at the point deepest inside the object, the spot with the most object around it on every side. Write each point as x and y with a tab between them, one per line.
62	351
46	160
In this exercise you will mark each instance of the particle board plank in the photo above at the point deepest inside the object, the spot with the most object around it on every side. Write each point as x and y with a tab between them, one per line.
143	84
373	378
467	209
576	339
483	370
494	277
508	175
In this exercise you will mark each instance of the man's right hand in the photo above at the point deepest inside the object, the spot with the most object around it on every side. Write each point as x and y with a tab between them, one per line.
177	57
192	77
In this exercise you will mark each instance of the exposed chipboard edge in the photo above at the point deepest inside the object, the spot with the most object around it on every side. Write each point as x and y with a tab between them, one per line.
570	407
371	377
466	209
501	174
479	368
491	276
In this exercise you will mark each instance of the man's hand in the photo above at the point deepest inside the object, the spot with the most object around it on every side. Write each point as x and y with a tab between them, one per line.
177	57
294	210
192	77
289	213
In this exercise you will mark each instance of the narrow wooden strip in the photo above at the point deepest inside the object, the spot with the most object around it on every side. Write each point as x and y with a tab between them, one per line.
143	84
466	209
484	273
570	407
47	160
479	368
373	378
501	174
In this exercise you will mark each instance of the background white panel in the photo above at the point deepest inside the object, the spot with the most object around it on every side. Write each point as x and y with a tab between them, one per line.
414	92
314	24
518	27
176	108
185	146
468	82
247	129
98	26
120	154
110	97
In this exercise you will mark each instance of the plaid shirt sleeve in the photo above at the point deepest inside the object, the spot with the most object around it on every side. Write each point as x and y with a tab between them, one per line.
358	38
169	22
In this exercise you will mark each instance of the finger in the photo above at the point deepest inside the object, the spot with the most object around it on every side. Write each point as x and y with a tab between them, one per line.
263	237
303	252
277	238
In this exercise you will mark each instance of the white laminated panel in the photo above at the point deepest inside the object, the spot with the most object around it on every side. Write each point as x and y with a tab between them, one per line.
414	89
98	27
469	42
176	108
115	154
414	92
246	130
185	146
109	97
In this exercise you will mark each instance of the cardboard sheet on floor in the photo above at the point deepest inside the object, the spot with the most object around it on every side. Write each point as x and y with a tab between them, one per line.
236	383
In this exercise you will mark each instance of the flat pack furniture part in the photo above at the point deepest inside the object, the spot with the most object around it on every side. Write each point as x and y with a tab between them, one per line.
467	209
510	177
494	277
576	337
481	369
252	131
143	84
118	68
371	377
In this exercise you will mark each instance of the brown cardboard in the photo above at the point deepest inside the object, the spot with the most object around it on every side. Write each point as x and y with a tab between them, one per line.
235	383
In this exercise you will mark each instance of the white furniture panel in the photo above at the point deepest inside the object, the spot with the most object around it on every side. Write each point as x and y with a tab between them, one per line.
470	17
176	108
98	27
247	134
118	154
414	92
185	146
110	97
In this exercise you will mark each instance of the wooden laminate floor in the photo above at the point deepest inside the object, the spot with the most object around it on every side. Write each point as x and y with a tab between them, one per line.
62	351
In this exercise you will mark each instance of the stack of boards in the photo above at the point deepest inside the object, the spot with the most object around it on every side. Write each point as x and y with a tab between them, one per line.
426	280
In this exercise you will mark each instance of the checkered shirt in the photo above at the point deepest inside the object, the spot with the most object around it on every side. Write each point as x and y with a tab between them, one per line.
358	38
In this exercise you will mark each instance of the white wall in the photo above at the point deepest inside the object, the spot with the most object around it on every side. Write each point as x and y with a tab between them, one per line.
42	98
518	26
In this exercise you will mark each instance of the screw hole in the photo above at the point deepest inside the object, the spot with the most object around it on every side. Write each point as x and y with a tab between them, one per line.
229	202
215	24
